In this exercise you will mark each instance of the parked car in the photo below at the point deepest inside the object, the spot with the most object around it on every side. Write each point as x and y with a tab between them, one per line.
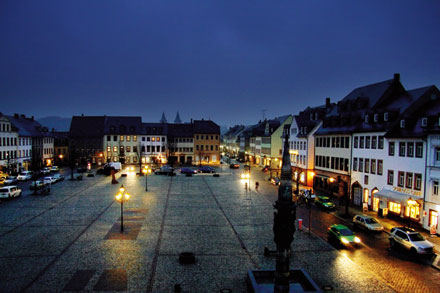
10	191
25	175
410	240
37	185
81	169
265	168
2	180
342	235
58	177
3	175
206	169
55	169
324	202
12	180
164	170
187	171
234	166
45	171
368	223
49	180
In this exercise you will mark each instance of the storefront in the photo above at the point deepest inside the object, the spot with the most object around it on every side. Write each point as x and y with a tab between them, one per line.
398	205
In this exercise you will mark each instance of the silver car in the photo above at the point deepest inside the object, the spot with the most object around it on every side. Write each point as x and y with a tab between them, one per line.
367	223
410	240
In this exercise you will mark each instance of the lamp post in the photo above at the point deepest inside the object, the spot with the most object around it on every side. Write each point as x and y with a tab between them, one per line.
146	171
121	197
411	203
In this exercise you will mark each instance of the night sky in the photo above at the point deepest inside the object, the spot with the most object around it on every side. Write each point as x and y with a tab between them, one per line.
224	60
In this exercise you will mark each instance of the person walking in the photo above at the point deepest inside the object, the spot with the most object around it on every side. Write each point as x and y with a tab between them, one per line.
257	185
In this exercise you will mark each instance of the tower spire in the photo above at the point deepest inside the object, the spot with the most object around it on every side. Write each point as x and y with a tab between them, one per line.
177	120
163	119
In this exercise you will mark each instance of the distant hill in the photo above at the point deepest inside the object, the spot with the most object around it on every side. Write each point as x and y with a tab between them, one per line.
59	123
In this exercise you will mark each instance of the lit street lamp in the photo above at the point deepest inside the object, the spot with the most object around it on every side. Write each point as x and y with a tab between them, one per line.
146	172
121	197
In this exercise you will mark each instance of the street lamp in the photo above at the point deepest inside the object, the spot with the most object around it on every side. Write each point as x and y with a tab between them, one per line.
121	197
411	203
146	171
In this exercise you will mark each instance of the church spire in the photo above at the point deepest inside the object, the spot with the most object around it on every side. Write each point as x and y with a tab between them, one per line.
163	119
177	120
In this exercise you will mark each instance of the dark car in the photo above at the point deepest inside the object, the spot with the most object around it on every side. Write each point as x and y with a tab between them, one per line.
234	166
106	170
206	169
164	170
12	180
188	171
275	181
81	170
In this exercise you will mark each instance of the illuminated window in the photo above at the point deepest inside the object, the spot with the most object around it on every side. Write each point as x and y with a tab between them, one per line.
366	193
394	207
128	138
412	211
433	218
157	138
121	138
135	138
128	149
153	139
115	149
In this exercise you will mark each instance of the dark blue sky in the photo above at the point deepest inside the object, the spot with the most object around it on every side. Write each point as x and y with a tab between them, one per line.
224	60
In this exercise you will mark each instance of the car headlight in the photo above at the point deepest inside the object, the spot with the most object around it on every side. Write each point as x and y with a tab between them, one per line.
357	240
345	241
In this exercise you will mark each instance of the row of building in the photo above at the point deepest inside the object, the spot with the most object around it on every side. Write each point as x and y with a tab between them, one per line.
379	146
25	144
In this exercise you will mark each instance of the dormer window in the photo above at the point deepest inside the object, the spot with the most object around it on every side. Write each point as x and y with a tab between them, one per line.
316	116
366	118
311	116
305	129
424	121
376	117
402	123
385	116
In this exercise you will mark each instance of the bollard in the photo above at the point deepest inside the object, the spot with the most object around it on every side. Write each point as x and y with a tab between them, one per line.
300	224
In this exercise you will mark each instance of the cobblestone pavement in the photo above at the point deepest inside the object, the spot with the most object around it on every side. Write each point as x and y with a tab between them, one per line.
70	239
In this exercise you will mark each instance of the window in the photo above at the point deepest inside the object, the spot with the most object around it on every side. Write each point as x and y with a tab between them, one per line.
367	142
366	118
373	166
212	147
366	179
121	138
153	139
402	123
128	149
419	149
356	140
391	148
381	139
410	149
437	154
424	122
401	178
409	180
143	138
367	166
158	148
435	187
201	147
390	180
374	142
108	138
395	208
361	165
115	149
376	117
417	181
361	143
135	138
148	138
385	116
157	138
109	149
128	138
401	149
135	149
379	167
355	164
148	149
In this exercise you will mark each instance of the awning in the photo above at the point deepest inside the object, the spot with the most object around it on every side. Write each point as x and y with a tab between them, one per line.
398	197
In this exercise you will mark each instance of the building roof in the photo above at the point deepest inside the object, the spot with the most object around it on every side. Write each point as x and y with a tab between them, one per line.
87	126
28	126
181	130
206	127
122	125
154	129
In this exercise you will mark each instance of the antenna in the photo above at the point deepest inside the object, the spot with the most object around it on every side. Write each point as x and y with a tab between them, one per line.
263	112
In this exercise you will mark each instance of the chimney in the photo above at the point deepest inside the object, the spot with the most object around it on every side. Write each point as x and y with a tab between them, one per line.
32	118
23	116
327	102
396	76
15	115
53	129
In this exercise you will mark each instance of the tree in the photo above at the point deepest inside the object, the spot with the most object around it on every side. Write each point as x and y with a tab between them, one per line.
171	149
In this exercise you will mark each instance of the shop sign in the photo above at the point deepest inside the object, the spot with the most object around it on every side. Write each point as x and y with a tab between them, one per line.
407	191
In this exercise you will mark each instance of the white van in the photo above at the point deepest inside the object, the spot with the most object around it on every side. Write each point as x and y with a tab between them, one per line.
116	165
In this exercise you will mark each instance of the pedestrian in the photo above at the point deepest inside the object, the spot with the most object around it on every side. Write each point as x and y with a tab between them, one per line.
256	185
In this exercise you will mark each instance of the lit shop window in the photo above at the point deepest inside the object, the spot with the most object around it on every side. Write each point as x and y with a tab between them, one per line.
394	207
